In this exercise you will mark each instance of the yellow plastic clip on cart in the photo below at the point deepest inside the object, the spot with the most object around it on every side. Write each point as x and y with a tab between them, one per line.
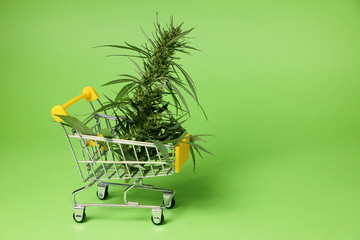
101	160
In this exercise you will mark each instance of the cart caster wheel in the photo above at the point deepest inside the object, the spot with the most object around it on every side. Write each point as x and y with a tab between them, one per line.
79	218
102	193
171	204
157	221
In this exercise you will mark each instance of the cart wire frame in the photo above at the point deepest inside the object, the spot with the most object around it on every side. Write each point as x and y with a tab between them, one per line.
101	159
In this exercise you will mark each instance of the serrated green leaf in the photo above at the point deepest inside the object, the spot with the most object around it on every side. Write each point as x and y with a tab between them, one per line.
177	125
197	150
129	47
137	49
187	78
128	156
137	66
137	166
199	147
124	55
148	39
192	48
113	104
124	91
76	124
117	81
106	133
181	97
193	158
181	35
163	150
129	76
195	138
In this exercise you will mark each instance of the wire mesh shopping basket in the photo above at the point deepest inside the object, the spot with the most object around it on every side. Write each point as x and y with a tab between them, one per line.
102	158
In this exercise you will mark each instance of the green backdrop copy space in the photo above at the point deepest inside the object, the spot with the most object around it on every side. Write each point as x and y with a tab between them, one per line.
278	80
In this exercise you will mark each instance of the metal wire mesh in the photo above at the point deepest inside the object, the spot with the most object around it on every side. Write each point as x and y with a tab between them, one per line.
100	158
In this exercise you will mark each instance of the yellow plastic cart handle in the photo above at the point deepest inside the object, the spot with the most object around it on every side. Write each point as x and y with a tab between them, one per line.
88	93
181	153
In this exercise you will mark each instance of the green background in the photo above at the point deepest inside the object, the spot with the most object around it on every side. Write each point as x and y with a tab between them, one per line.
279	81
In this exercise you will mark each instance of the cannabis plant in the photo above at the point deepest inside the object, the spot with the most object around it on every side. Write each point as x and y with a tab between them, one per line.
150	106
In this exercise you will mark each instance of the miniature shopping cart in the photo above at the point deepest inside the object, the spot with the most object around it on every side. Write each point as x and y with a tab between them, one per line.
101	159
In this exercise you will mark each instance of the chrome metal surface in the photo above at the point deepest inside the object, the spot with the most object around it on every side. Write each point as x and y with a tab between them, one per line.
126	191
168	196
98	158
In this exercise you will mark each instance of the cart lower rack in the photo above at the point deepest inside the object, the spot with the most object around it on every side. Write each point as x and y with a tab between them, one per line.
102	159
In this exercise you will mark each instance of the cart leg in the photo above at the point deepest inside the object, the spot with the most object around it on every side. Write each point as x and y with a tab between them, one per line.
169	201
157	216
145	185
126	191
79	190
79	214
